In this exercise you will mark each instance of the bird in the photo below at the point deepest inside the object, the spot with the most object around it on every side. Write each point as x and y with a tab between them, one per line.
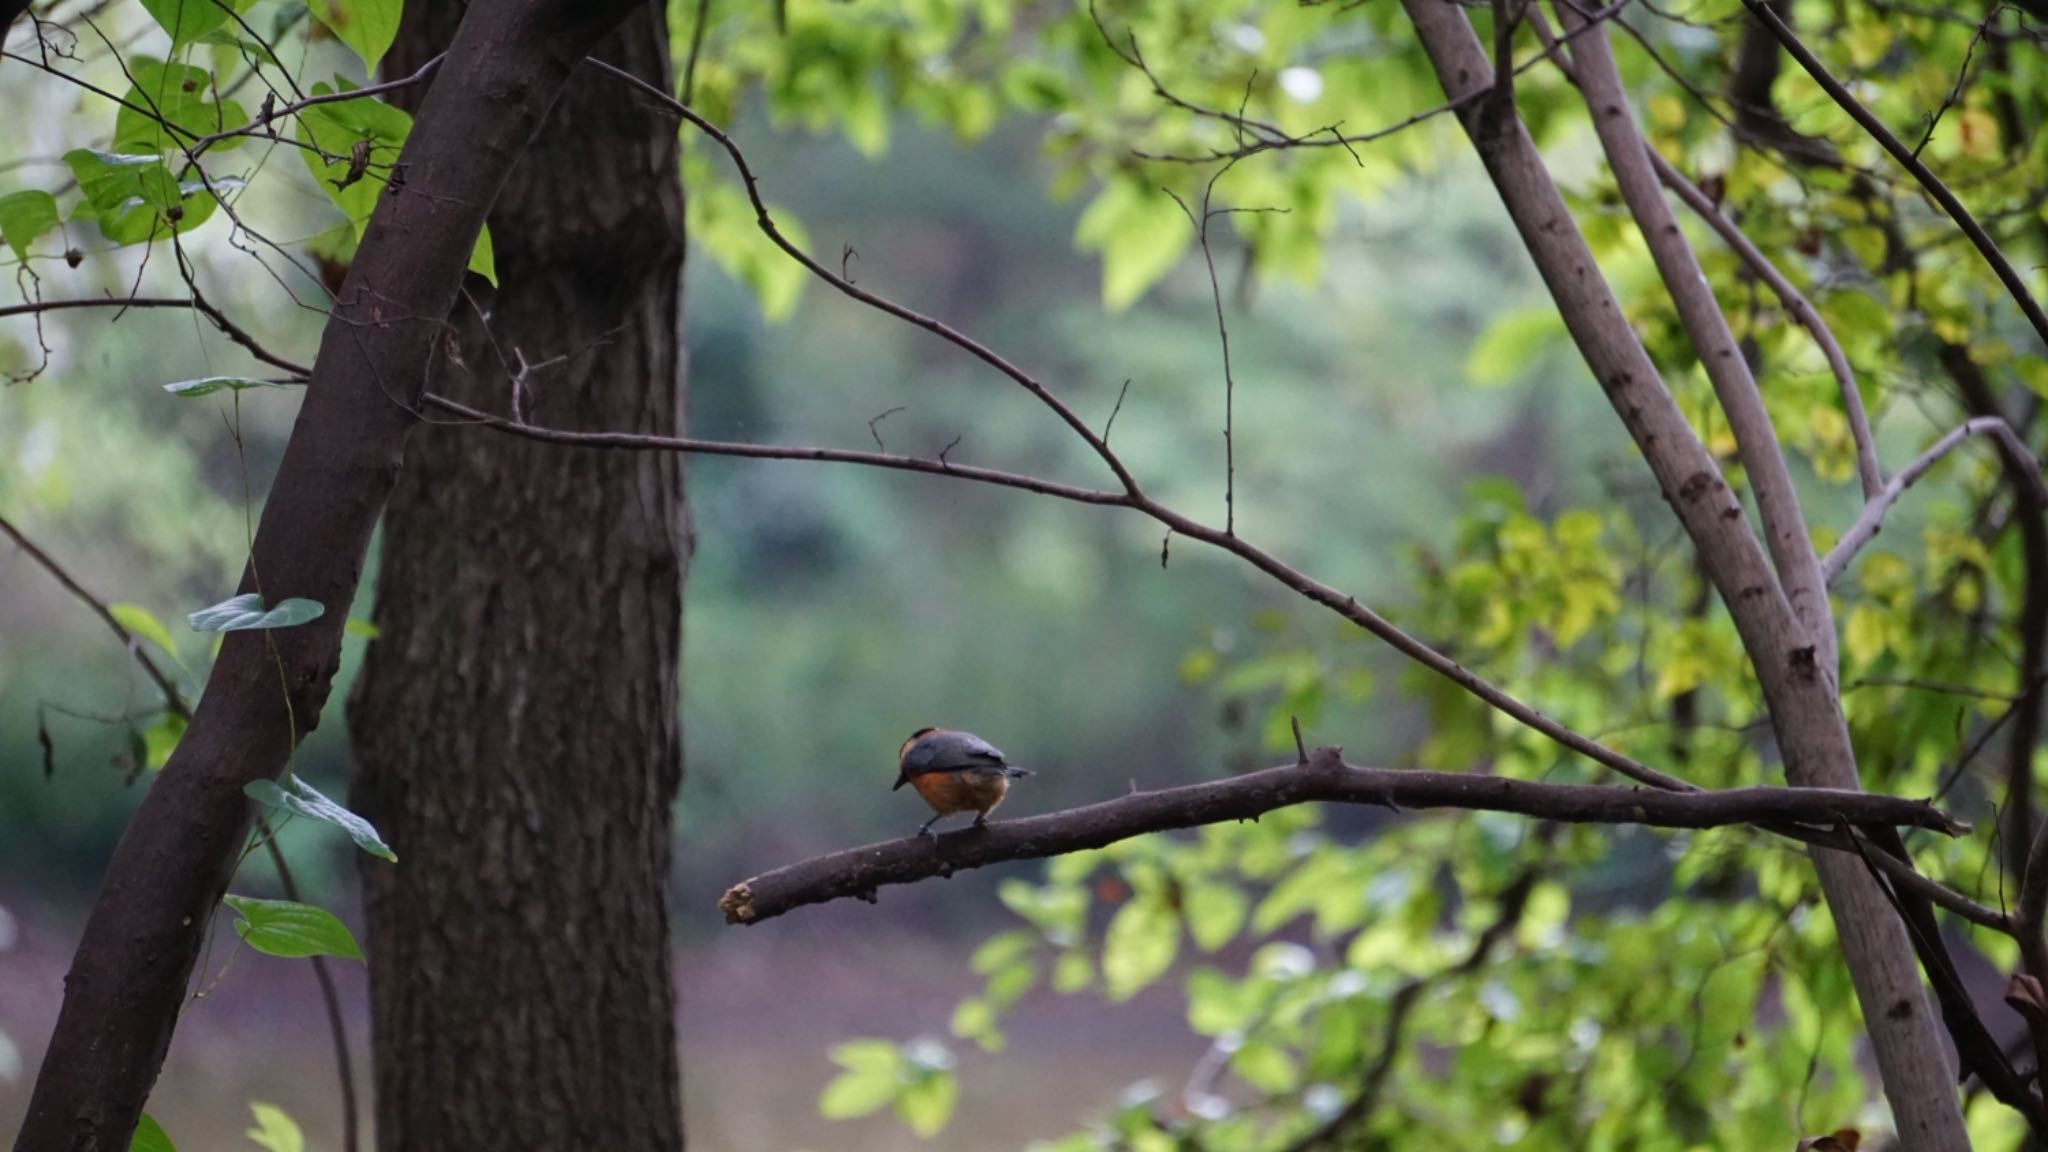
954	772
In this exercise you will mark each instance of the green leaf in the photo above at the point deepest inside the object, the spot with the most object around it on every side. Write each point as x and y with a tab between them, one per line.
927	1104
246	613
357	626
1139	946
150	1137
1266	1067
482	260
368	26
1214	913
1003	949
140	621
275	1129
302	799
1141	234
177	95
132	197
24	216
292	930
875	1074
1511	344
208	385
186	20
160	739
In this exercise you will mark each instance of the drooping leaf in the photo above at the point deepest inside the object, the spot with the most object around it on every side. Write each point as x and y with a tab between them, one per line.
292	930
302	799
927	1103
246	612
368	26
24	216
143	623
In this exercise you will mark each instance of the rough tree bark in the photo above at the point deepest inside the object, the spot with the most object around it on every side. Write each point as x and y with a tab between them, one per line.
515	722
162	887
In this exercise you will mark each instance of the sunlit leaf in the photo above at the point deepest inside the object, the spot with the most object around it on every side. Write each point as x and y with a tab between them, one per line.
275	1129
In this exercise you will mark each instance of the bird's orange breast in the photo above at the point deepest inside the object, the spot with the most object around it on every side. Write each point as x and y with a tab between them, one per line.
964	791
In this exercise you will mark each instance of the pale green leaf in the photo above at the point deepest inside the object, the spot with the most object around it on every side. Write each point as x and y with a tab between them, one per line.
275	1129
1139	947
302	799
246	613
141	622
208	385
927	1104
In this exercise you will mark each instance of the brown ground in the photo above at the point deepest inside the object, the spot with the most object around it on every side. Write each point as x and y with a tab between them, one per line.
760	1009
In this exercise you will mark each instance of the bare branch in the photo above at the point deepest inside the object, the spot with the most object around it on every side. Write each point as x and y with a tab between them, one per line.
1871	520
1320	593
859	872
1891	143
646	443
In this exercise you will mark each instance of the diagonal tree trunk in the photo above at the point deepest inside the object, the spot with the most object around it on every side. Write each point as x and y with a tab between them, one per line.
516	720
1794	666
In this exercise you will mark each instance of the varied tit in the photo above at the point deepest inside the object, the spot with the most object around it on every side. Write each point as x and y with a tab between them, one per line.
954	772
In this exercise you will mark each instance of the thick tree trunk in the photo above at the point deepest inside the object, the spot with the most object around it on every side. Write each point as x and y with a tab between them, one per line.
163	885
516	720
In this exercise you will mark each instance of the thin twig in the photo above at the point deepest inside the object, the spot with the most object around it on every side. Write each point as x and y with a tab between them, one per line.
1135	496
1871	520
174	700
1993	256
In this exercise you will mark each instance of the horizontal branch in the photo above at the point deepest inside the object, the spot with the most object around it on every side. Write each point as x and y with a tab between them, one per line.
1867	524
635	441
859	872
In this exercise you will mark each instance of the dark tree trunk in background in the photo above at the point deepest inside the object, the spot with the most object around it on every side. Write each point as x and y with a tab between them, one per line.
516	720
